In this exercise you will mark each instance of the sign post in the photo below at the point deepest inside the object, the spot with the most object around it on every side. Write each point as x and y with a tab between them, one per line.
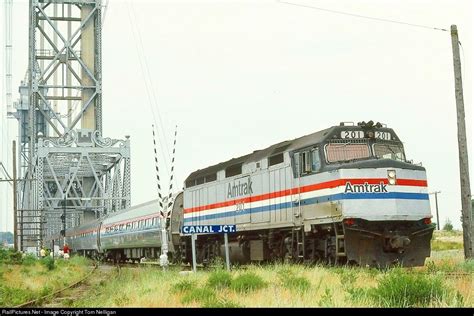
209	229
193	248
226	243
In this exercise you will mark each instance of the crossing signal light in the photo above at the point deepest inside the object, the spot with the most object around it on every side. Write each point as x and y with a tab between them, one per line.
63	233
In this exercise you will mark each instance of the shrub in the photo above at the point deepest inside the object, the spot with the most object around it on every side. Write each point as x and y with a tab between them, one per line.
448	226
400	289
247	282
29	260
219	279
3	254
48	262
10	256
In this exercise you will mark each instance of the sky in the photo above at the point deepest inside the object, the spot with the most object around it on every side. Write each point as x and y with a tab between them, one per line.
237	76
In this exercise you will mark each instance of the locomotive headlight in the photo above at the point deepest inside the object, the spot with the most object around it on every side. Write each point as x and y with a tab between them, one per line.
392	177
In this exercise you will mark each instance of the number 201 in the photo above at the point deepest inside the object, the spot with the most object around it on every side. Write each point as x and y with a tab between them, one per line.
239	206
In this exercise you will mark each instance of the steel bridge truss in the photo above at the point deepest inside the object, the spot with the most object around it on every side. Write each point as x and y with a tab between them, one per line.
65	162
65	167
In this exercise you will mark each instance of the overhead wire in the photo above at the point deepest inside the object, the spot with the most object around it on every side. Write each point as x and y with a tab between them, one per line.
105	12
364	16
148	84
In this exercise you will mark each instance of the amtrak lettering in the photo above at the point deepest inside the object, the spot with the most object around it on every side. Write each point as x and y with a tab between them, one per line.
366	188
239	189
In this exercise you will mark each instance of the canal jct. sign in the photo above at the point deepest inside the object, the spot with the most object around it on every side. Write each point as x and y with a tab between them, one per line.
208	229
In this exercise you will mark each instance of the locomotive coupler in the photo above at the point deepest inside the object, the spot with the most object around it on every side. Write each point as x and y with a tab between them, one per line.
398	243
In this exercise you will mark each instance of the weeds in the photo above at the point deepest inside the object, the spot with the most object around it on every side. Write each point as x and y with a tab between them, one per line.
48	262
201	295
29	260
438	245
219	279
400	289
292	282
248	282
220	303
326	299
10	256
467	266
183	286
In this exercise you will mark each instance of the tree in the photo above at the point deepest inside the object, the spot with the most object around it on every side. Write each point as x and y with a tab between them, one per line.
6	237
448	226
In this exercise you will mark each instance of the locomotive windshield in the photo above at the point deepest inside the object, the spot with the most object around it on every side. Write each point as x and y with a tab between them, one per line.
392	151
352	149
347	150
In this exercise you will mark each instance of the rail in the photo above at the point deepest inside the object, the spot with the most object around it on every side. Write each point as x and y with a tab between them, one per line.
42	298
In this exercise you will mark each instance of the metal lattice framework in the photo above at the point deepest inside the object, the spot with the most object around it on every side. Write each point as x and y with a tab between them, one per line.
66	168
63	158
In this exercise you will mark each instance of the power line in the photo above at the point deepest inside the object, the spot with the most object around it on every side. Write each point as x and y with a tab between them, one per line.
364	16
145	69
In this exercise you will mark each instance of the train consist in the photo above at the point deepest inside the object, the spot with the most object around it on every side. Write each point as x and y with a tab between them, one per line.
346	194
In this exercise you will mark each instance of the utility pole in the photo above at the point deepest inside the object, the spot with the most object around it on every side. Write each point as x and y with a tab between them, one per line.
63	217
462	145
15	219
436	203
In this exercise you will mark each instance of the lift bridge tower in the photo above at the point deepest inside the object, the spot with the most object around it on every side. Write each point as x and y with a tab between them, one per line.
68	172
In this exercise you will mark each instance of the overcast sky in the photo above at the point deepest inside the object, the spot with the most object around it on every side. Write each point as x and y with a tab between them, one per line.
237	76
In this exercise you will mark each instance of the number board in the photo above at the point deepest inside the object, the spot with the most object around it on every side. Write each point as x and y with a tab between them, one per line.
352	134
383	135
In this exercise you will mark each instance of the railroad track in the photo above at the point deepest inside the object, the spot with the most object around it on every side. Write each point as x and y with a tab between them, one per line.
38	302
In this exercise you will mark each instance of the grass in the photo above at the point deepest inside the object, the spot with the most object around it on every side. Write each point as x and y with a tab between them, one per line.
293	282
283	285
219	279
438	245
397	288
446	240
26	278
247	282
445	281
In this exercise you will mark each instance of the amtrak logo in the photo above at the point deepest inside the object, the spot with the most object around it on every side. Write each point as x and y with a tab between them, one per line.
239	189
366	188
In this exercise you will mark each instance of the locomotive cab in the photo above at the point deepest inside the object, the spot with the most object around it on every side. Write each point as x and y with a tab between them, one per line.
380	197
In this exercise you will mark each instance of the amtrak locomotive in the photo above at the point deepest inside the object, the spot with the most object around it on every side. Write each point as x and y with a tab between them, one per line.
346	194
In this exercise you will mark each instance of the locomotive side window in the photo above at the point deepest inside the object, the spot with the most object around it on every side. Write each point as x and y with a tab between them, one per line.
190	183
315	160
275	159
296	161
339	152
211	177
233	170
305	162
